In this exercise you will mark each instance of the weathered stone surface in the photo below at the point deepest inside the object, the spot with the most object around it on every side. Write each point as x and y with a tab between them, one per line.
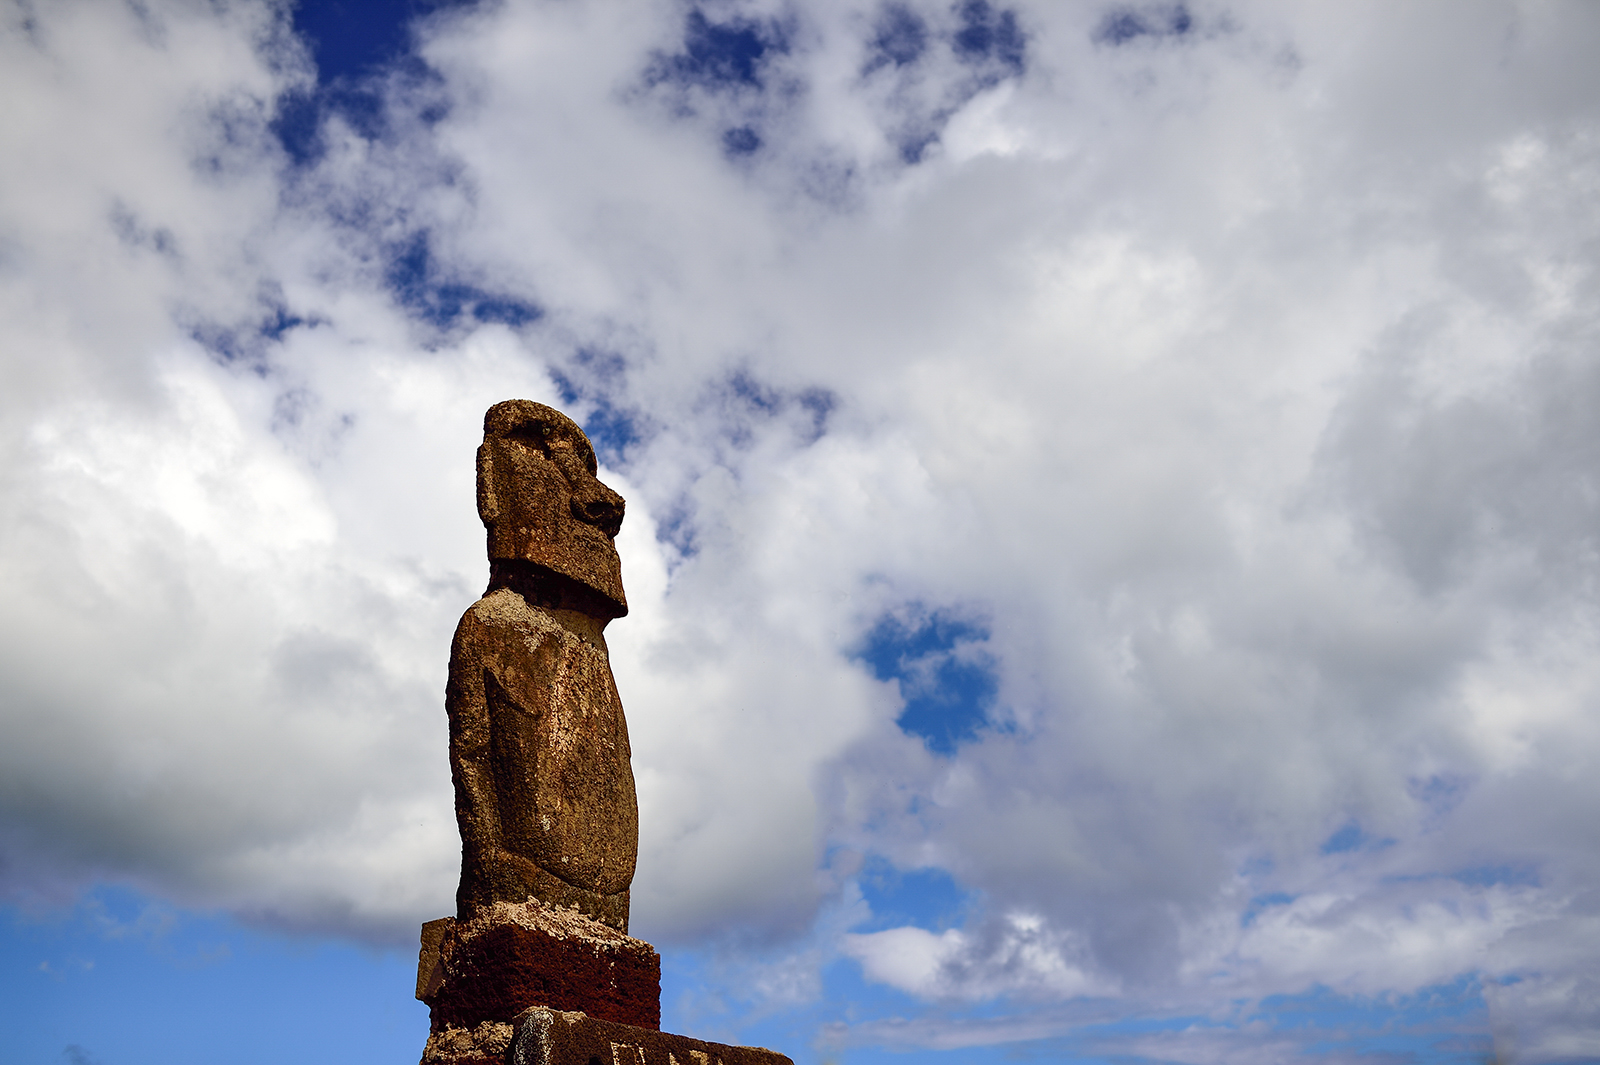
484	1045
550	1037
509	957
538	743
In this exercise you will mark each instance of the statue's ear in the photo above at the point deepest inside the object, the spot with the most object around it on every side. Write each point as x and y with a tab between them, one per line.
488	505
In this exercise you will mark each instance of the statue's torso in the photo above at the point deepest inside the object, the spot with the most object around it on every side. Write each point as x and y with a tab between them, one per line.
539	748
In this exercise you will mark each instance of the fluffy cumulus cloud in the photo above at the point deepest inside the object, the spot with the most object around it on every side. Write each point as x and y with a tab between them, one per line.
1136	462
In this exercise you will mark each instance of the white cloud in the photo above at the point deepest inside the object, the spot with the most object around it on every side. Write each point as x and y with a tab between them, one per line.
1241	379
1020	956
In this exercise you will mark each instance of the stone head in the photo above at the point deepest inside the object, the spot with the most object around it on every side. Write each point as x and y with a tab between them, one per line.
540	499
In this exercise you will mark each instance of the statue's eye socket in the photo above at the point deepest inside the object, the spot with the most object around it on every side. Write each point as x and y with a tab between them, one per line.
530	436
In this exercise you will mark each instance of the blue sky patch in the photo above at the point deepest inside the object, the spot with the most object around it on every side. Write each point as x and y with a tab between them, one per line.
947	677
1351	837
819	403
915	145
1440	792
744	402
351	38
351	41
741	140
414	279
900	37
1260	903
592	376
925	898
101	980
279	322
297	124
989	34
299	117
986	39
1124	24
1446	1024
611	431
1499	876
676	526
245	344
754	393
1348	838
720	54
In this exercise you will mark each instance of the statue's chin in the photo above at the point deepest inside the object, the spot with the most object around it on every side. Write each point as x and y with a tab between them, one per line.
549	587
573	550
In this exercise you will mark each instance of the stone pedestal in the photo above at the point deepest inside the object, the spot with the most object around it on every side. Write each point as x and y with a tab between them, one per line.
550	1037
478	975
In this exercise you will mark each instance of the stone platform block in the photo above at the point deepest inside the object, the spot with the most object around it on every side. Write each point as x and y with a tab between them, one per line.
550	1037
510	956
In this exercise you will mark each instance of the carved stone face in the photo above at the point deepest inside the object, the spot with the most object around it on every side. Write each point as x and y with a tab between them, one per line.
540	499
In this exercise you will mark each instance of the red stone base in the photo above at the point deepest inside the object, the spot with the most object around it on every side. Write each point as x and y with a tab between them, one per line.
508	957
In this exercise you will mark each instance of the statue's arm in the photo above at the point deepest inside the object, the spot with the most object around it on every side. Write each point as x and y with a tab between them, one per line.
466	702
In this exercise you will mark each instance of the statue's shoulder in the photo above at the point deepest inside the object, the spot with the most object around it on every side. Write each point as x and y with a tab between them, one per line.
503	612
500	609
495	626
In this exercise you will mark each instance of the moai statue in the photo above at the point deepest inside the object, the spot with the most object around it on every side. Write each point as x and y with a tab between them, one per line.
537	965
538	744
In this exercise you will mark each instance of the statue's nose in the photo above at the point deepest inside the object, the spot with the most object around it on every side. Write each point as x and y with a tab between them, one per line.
595	504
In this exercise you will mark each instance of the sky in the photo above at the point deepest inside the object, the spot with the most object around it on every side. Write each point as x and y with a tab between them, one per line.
1113	530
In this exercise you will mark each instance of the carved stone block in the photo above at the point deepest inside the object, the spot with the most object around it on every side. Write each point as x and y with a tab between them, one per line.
508	957
550	1037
